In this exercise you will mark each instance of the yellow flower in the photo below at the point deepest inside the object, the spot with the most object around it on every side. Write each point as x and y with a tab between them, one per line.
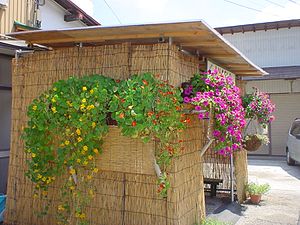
90	107
39	176
84	88
82	216
92	91
34	107
36	171
83	152
90	157
82	107
78	160
37	186
93	124
96	150
33	155
79	139
54	89
53	100
85	162
89	177
72	188
72	171
67	142
61	208
33	126
48	181
91	192
44	179
85	148
69	103
95	170
35	195
83	100
78	132
47	96
53	109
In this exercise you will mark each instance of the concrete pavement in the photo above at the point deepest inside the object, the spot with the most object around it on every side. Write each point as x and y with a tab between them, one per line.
282	205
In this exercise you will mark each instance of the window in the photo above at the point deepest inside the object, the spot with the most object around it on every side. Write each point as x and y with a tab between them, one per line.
295	130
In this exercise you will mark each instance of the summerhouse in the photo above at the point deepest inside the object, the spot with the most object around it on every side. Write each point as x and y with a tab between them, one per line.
126	185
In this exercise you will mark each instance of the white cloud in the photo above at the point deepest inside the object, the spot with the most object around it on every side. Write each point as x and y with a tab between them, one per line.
86	5
273	12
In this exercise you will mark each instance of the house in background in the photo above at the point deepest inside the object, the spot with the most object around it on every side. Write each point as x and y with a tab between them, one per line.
274	46
19	15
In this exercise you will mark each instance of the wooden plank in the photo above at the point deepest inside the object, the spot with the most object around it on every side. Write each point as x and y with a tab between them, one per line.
200	43
103	38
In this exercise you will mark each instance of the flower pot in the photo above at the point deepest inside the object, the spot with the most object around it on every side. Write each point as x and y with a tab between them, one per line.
253	143
255	199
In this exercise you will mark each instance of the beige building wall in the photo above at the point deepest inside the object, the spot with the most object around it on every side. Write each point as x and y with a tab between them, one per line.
19	10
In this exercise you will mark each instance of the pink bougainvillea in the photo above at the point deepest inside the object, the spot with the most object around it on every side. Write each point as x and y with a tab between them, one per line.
215	91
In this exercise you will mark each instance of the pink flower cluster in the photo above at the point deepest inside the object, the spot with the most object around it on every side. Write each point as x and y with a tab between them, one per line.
259	106
221	94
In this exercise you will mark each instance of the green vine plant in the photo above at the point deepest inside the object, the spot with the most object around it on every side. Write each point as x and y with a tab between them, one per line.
66	126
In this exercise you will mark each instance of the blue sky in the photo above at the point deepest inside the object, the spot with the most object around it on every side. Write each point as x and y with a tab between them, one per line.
215	12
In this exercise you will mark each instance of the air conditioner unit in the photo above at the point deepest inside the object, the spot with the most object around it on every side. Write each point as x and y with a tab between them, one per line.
3	3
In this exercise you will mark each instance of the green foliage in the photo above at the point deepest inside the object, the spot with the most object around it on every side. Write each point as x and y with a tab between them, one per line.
257	189
211	221
146	108
67	123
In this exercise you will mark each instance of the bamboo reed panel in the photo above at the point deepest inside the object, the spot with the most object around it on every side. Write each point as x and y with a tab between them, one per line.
126	185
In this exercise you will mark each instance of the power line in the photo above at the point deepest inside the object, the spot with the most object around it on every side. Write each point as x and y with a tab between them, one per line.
275	3
247	7
112	11
294	2
243	6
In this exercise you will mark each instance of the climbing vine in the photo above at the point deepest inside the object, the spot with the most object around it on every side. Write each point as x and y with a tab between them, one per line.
66	126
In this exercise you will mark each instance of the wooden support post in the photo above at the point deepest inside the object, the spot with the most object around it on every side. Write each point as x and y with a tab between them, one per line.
241	173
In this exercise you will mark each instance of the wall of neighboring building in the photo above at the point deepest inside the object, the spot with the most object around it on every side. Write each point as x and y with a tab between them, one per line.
5	118
274	48
269	48
274	86
52	17
20	10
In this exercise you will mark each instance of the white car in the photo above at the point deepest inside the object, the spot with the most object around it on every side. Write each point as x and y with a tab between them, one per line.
293	143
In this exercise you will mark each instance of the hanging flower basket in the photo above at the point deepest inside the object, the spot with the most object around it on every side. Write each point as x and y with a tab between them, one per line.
252	143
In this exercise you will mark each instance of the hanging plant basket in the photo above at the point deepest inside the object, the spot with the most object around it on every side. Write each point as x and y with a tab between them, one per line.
252	143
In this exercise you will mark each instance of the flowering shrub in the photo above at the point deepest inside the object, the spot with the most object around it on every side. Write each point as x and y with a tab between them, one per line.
259	106
218	92
67	123
145	108
63	136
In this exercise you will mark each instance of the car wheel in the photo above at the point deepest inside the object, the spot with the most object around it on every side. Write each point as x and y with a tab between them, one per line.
289	160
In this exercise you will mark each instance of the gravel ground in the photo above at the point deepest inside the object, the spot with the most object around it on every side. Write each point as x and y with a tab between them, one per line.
282	204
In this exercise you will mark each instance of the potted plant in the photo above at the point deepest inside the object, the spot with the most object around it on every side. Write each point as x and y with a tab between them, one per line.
258	107
254	141
256	190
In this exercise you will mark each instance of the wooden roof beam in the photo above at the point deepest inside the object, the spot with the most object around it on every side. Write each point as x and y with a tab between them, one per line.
198	43
98	37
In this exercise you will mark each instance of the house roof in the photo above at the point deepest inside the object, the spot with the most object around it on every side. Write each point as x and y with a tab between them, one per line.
194	37
259	26
72	8
277	73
